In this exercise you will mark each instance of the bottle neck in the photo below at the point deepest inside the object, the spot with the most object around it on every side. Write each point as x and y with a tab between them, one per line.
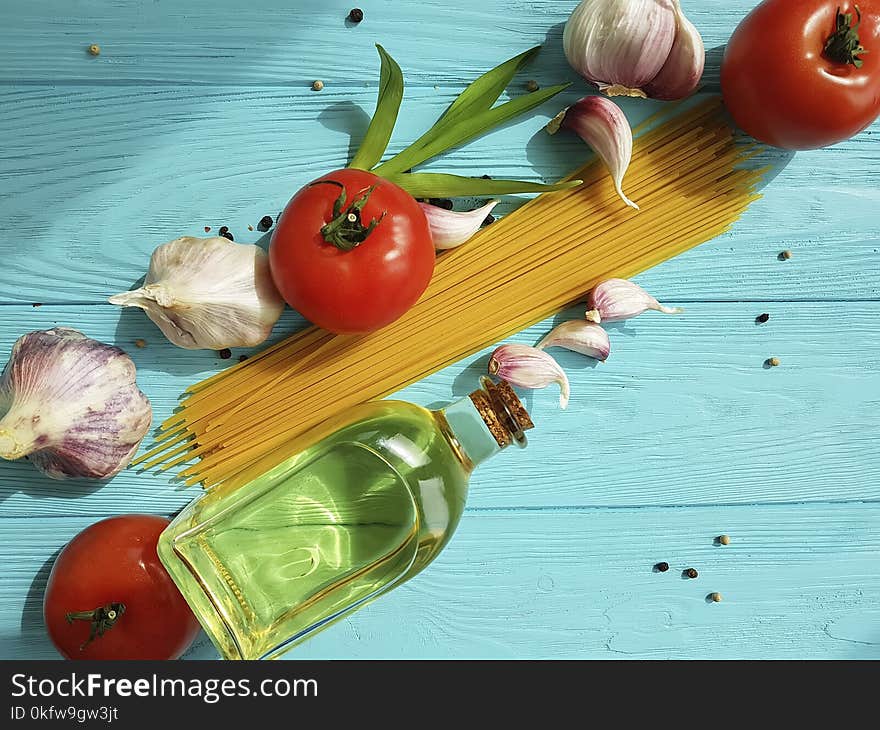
487	421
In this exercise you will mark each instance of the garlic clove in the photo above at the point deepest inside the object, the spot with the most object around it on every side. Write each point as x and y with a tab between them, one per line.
620	45
618	299
602	125
683	69
528	367
208	293
579	336
451	228
71	404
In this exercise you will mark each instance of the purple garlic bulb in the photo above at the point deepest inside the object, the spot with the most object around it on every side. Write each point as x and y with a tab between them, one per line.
71	404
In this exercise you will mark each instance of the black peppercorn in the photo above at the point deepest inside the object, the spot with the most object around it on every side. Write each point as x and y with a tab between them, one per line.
242	358
691	573
223	229
662	567
356	15
225	353
226	234
761	318
265	223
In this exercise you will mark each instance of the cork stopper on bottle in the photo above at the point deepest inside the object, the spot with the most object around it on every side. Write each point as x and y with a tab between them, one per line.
503	412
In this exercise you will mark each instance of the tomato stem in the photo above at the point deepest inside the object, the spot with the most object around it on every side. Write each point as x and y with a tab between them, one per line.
843	45
102	619
345	230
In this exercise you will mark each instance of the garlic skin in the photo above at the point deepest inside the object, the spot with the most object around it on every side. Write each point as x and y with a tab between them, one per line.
628	47
71	404
618	299
580	336
602	125
529	367
450	228
683	69
208	293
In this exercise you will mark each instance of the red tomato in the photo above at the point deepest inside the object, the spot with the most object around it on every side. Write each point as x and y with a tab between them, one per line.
109	579
783	87
388	264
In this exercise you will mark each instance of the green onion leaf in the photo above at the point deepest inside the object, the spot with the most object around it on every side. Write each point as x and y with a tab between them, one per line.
382	124
441	185
484	92
452	135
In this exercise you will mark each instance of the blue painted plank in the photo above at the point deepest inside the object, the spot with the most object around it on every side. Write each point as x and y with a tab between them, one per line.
797	581
684	412
290	43
110	173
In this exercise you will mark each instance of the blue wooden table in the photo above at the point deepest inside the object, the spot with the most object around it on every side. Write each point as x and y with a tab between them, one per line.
200	113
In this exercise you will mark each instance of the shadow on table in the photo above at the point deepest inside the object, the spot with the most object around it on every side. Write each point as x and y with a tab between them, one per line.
349	118
33	641
26	479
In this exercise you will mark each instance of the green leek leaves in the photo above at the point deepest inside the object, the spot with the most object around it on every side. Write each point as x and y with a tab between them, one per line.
471	114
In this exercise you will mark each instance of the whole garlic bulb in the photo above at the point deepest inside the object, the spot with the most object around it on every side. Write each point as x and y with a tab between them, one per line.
645	48
71	404
208	293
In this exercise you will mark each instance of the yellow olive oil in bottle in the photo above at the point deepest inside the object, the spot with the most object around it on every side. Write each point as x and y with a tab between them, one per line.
357	506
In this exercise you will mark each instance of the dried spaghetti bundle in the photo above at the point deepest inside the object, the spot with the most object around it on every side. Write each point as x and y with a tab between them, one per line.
688	177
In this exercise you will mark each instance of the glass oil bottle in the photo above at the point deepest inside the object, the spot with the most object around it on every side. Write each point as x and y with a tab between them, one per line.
355	508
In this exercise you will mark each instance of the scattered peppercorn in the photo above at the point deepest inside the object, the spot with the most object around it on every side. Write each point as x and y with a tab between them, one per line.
95	49
36	304
662	567
356	15
140	342
207	229
785	255
225	353
487	220
762	318
242	358
317	85
724	539
250	228
691	573
773	362
265	223
532	85
444	203
715	597
224	231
